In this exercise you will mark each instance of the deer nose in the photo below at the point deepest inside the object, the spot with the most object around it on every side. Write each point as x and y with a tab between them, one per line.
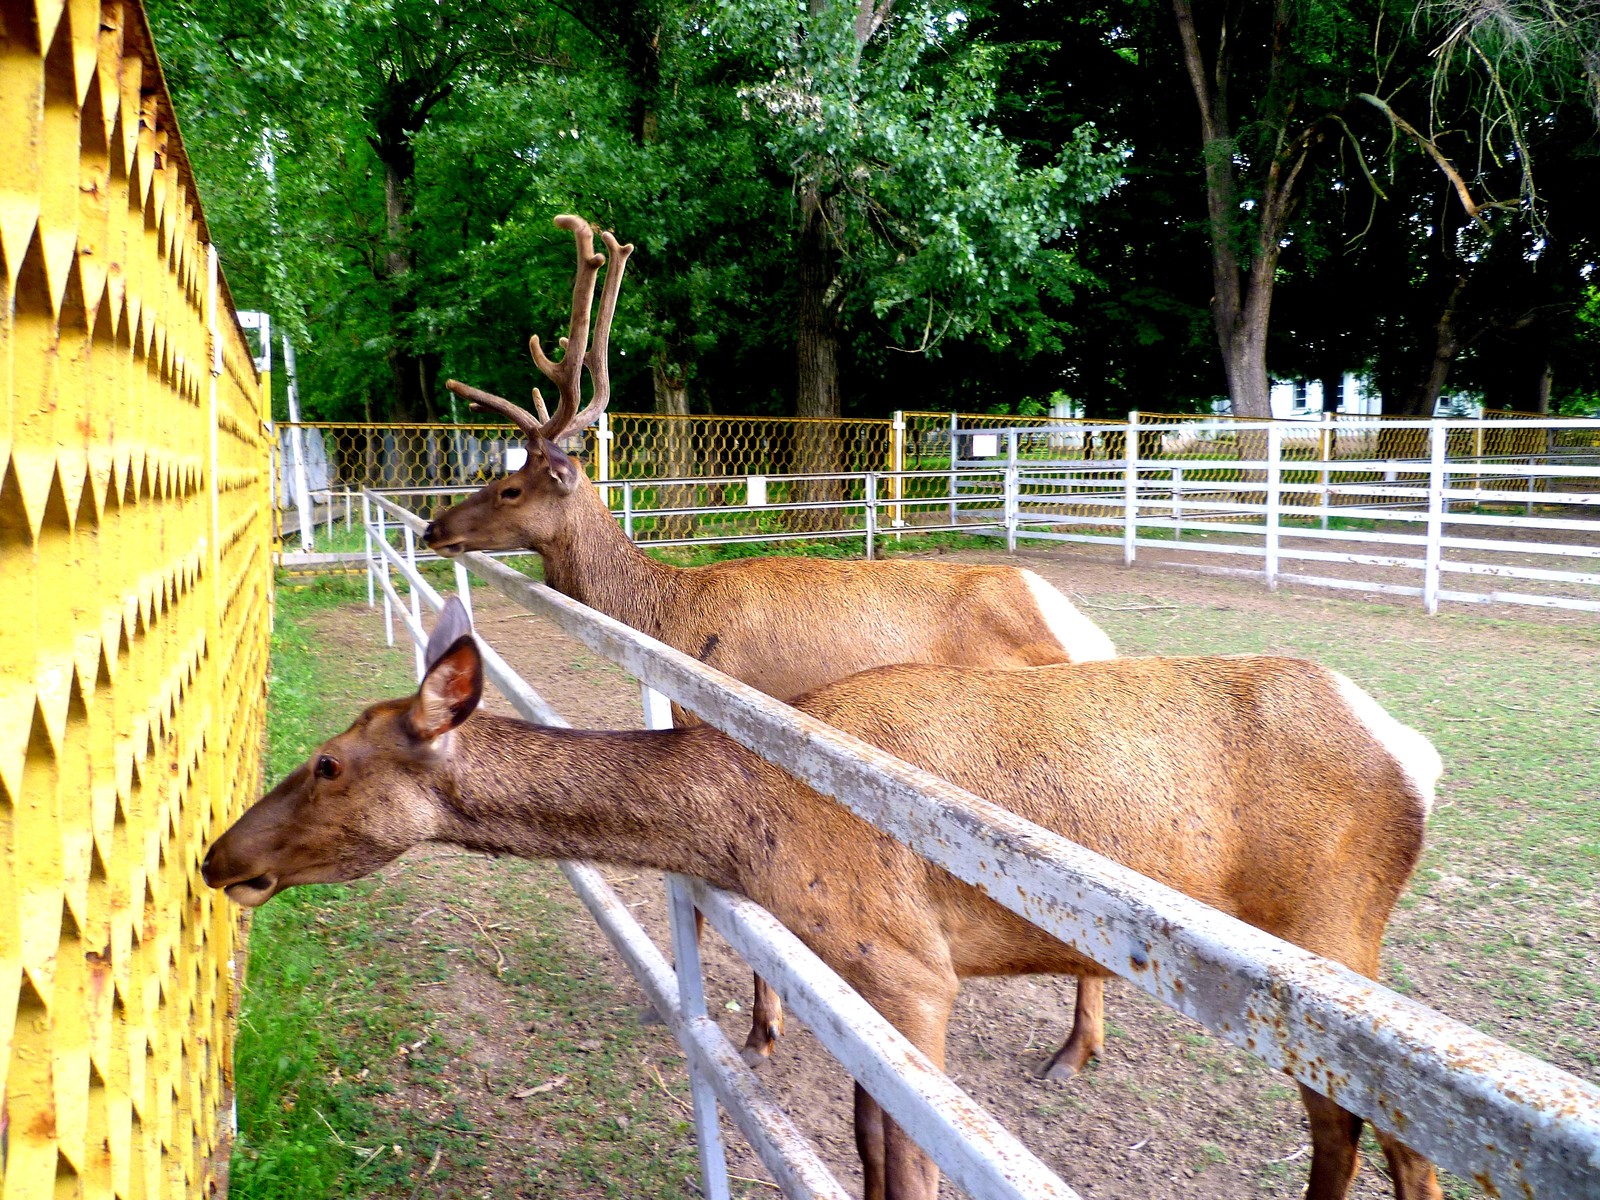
427	534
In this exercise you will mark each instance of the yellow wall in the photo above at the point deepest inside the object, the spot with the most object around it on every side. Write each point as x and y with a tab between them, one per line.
134	604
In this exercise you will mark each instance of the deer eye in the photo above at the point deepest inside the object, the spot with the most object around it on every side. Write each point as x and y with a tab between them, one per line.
510	493
328	767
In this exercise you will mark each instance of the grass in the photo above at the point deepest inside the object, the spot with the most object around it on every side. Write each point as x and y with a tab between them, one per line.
1499	925
349	1081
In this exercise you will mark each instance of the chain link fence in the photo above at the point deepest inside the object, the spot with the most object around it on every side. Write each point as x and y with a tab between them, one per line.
739	463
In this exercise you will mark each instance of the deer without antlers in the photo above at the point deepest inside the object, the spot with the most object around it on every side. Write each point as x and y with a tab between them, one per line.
784	625
1308	827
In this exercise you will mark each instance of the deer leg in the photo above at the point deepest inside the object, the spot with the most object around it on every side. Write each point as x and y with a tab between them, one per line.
1335	1133
909	1173
916	998
869	1144
766	1024
1414	1177
1088	1036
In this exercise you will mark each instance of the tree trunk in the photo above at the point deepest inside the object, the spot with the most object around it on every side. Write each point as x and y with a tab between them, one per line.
1446	346
412	375
817	362
817	338
1241	302
675	446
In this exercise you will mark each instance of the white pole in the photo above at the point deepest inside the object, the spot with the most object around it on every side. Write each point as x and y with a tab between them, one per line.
464	587
1130	488
953	439
366	525
602	449
897	464
1177	504
416	602
1274	499
383	565
1436	477
297	449
870	492
691	995
1325	453
1011	505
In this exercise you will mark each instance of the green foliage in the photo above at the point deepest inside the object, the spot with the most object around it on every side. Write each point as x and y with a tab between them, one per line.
1013	188
942	229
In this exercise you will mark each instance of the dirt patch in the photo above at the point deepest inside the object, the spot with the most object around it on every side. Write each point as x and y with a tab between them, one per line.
1168	1111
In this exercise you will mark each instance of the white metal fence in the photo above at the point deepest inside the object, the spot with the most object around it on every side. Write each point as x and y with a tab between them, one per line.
1513	1124
1399	526
1261	502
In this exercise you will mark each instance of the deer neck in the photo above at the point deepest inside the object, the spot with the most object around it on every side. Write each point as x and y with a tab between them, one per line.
668	800
594	562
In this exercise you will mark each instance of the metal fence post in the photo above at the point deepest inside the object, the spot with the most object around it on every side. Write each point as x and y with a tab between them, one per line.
602	449
627	508
1274	500
897	464
1011	506
871	496
1130	489
416	602
302	497
464	587
1436	482
366	526
691	995
953	440
1177	504
1325	453
388	605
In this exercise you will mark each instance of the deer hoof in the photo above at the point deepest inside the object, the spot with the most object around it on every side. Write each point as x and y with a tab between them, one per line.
758	1047
1067	1063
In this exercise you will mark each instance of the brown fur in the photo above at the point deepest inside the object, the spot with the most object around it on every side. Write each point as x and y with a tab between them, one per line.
1246	783
784	625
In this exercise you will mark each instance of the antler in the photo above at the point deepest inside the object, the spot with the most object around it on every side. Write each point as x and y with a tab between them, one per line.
567	374
598	358
489	402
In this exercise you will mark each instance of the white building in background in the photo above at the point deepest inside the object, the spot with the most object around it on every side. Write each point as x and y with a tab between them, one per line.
1301	399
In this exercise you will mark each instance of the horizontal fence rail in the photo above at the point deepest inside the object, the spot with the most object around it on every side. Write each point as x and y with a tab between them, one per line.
1477	1107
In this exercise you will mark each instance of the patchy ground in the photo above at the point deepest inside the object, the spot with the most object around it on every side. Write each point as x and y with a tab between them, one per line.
540	1060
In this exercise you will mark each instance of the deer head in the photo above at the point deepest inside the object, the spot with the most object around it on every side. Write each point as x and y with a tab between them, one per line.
365	797
525	508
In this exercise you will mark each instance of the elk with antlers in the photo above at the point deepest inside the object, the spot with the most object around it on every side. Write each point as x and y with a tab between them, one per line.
784	625
1307	827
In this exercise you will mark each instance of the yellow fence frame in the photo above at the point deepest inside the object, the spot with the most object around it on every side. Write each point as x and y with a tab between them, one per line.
135	565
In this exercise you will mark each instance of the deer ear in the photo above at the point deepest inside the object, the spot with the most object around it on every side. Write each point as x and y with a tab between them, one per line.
450	691
453	625
562	470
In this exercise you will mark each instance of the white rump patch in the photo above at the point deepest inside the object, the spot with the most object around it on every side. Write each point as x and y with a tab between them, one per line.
1081	638
1414	752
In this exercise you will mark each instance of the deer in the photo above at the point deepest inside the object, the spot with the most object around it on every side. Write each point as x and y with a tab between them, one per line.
1271	788
784	625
